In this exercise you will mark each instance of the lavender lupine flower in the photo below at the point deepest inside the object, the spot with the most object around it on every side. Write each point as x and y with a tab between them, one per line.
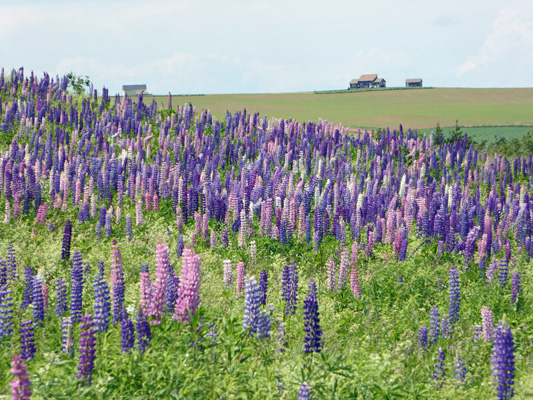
455	296
332	275
145	287
144	335
102	305
503	364
6	311
423	337
253	252
7	217
117	281
281	337
344	268
189	295
76	297
503	272
21	384
488	323
37	299
161	282
27	343
354	282
67	233
460	369
228	273
263	285
66	330
313	332
478	331
61	304
50	227
213	240
303	393
127	334
446	327
438	369
515	287
28	280
434	328
240	278
87	349
45	296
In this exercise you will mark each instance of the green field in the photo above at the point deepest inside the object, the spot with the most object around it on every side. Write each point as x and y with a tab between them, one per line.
414	108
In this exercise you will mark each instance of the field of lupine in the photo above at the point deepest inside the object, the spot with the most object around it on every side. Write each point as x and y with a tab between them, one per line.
160	253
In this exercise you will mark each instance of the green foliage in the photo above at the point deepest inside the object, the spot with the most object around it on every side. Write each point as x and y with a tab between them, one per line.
78	84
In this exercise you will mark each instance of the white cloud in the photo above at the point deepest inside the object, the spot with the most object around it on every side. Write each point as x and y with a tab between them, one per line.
510	42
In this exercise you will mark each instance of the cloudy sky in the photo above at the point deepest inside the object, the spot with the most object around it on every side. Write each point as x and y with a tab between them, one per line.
239	46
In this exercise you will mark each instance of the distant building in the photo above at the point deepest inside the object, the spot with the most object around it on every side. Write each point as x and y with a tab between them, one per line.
368	81
132	90
413	82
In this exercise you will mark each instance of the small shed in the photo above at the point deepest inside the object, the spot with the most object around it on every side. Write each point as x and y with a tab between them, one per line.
132	90
413	82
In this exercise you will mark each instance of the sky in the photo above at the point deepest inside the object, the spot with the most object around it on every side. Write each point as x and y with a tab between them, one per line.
259	46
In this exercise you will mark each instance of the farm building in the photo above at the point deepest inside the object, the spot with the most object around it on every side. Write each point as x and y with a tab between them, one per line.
413	82
368	81
133	89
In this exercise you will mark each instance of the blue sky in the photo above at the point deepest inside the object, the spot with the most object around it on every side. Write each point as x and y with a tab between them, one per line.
185	46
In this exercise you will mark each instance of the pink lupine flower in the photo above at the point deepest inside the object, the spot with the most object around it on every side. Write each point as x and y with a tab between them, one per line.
189	293
161	282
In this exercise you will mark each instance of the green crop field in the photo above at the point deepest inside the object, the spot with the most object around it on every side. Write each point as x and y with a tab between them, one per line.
414	108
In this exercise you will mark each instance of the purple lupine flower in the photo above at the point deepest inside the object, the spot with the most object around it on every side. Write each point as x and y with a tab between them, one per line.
108	226
98	231
252	312
438	369
290	288
3	272
76	297
281	336
423	336
129	228
102	305
181	246
225	239
478	331
28	280
67	340
446	327
503	272
127	333
21	384
434	328
503	364
263	325
144	335
460	369
50	227
313	332
117	282
455	296
515	287
6	311
263	285
87	349
189	294
172	290
11	263
161	282
61	304
65	253
27	343
303	393
37	299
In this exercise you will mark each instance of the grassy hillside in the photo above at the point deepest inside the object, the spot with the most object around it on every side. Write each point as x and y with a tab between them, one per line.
416	109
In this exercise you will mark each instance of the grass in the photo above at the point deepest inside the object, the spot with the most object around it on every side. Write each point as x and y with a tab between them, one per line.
414	108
